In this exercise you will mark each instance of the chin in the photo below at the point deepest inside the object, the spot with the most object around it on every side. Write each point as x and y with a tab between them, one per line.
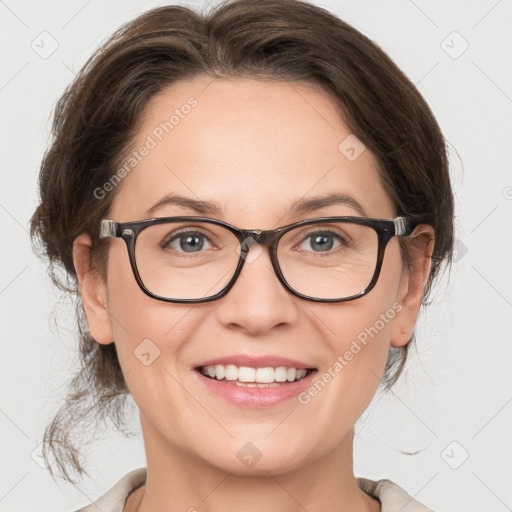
249	458
273	465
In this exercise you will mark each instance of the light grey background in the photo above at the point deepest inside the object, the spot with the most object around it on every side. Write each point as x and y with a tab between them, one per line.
455	397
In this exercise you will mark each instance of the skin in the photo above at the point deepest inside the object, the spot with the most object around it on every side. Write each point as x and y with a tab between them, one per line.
249	143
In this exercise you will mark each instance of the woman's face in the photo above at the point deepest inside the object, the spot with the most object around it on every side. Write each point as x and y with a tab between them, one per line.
253	148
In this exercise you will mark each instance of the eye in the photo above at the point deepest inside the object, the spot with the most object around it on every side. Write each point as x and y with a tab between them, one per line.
187	241
322	241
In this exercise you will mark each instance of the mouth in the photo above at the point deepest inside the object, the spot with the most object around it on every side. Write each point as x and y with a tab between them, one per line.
261	377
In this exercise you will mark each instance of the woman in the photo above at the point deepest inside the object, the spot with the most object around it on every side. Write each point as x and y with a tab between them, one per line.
251	205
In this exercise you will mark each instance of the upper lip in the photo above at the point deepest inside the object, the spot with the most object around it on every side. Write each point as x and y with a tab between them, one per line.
256	361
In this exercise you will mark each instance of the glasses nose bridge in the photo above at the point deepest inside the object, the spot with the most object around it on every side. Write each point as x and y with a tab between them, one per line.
263	237
266	238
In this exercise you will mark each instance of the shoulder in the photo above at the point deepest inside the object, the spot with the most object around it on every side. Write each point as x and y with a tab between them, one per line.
391	496
115	498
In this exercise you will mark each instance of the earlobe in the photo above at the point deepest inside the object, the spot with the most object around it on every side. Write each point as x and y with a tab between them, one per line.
93	291
412	285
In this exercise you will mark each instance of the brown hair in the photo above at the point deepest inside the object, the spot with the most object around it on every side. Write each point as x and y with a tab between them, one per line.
96	119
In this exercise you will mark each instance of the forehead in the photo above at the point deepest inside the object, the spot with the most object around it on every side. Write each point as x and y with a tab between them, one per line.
254	147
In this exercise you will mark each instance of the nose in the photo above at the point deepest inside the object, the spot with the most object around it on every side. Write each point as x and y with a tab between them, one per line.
258	301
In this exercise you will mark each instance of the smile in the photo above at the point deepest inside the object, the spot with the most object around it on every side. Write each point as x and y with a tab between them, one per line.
251	377
251	386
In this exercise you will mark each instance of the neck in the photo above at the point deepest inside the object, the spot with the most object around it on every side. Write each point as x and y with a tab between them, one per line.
178	481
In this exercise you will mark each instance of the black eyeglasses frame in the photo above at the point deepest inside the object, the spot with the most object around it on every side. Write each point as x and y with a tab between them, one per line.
386	229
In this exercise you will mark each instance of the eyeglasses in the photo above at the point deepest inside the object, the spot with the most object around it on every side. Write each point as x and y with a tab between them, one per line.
198	259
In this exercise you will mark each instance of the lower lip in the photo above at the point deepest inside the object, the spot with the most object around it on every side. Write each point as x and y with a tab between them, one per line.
255	396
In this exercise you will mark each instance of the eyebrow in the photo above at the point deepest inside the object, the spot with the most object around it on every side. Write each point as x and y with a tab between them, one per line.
298	207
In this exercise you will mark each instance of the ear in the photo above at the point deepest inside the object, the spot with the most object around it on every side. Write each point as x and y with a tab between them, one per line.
93	291
412	285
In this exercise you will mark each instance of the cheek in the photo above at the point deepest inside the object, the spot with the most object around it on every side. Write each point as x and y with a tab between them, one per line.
149	334
361	333
358	332
126	301
139	323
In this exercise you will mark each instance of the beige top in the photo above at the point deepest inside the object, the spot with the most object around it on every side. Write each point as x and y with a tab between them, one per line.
391	496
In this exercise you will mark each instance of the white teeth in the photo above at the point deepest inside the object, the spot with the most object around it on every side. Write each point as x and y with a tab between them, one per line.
246	374
264	375
231	372
280	374
253	376
220	371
